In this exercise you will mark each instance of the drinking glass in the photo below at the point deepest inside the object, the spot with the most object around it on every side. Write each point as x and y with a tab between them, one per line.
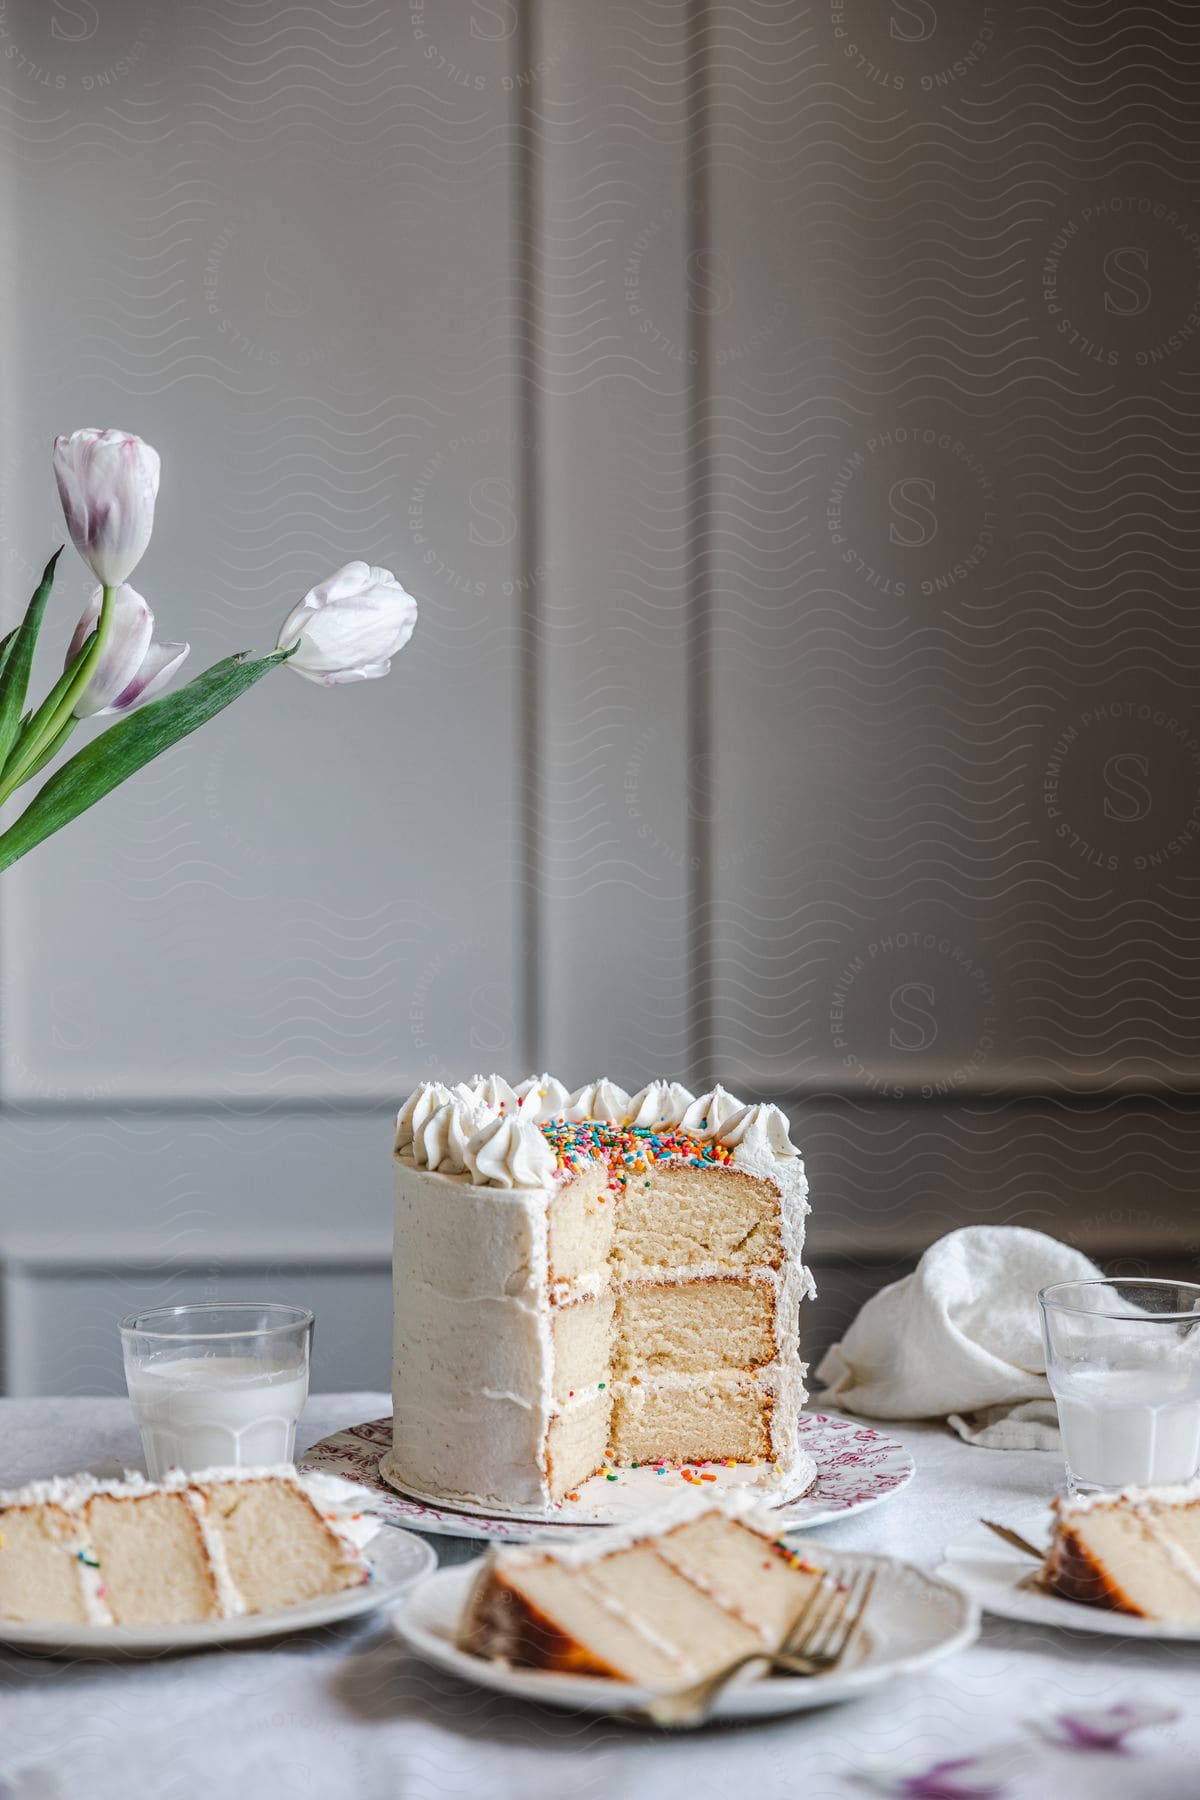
1123	1360
217	1384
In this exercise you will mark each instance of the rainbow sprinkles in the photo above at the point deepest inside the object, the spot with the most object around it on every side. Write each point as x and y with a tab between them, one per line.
629	1150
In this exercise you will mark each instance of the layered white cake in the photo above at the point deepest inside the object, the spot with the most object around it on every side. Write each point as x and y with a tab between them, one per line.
666	1602
588	1280
1137	1551
205	1546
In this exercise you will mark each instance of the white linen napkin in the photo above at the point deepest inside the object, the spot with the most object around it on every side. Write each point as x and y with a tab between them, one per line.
960	1338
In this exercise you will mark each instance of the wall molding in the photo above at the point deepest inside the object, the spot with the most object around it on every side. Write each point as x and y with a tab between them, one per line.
1082	1089
33	1269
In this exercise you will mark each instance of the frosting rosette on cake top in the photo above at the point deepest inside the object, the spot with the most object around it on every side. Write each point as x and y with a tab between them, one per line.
660	1103
601	1099
542	1097
440	1123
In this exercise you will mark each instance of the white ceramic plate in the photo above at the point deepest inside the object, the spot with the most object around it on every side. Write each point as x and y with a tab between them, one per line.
397	1560
913	1620
998	1576
856	1467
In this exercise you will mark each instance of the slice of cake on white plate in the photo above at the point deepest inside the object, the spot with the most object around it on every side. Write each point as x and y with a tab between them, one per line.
662	1605
214	1545
588	1280
1135	1552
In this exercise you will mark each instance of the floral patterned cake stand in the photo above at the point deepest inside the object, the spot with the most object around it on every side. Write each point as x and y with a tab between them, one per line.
857	1466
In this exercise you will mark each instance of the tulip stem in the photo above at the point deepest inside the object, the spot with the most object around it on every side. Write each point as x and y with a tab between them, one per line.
54	714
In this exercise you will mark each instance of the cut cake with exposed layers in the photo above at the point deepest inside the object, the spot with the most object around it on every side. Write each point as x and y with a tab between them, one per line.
663	1605
214	1545
589	1277
1135	1552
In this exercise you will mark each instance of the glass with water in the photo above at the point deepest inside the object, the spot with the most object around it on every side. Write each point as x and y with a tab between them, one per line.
1123	1361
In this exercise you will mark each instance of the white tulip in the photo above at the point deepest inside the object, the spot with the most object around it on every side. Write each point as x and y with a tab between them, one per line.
108	483
349	627
133	665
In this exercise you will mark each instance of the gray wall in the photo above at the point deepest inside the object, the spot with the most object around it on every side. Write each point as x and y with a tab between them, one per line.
787	417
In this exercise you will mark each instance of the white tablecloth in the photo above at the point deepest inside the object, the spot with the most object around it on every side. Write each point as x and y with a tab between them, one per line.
348	1715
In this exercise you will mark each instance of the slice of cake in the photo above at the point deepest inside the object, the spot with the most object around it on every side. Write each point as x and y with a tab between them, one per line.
589	1276
207	1546
662	1606
1136	1552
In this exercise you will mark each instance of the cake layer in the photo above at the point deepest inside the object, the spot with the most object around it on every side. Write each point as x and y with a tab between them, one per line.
553	1620
725	1558
278	1549
580	1221
154	1559
39	1567
701	1634
583	1346
576	1441
684	1217
695	1326
705	1419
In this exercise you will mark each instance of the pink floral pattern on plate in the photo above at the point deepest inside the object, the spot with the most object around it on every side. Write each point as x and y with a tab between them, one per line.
857	1467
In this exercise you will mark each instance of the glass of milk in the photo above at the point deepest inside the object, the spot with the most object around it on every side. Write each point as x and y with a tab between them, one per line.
1123	1360
217	1385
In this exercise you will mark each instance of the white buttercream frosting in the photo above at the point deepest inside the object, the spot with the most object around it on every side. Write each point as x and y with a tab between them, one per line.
473	1361
574	1550
1177	1494
342	1504
72	1492
230	1599
659	1103
511	1152
441	1141
708	1112
492	1091
425	1099
339	1502
601	1099
94	1590
542	1097
435	1118
761	1127
473	1128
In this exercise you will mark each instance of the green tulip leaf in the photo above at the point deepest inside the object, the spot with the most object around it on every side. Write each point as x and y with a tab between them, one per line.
49	753
128	746
32	727
16	661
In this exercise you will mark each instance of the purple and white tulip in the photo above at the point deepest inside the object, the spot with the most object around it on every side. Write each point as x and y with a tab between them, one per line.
108	483
349	627
133	665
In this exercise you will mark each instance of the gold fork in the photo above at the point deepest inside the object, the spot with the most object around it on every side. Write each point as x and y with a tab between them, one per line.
1034	1581
1014	1538
818	1641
